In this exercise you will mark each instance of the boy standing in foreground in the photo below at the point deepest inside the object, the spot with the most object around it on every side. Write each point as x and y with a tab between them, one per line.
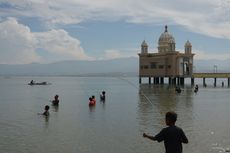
172	135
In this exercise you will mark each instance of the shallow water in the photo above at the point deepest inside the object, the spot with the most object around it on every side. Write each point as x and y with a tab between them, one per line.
115	126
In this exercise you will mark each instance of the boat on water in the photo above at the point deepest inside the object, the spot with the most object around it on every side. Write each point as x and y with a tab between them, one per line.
38	83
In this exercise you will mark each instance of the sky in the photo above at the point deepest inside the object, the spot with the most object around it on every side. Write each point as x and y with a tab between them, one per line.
47	31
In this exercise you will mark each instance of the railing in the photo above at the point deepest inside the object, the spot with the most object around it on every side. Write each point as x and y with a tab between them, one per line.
211	75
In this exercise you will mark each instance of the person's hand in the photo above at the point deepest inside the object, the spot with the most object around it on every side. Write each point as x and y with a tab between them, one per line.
144	135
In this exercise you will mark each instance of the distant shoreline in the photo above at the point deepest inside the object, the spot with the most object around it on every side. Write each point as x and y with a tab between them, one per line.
130	74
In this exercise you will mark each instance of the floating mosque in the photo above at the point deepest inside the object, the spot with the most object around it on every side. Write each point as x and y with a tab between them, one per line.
167	62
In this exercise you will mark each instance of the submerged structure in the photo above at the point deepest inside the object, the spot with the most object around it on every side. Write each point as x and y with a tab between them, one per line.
167	62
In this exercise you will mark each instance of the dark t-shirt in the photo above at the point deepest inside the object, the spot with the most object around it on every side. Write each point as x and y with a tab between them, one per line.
173	138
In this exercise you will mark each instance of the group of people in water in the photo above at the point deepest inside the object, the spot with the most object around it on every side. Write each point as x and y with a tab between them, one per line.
172	135
55	102
92	99
178	89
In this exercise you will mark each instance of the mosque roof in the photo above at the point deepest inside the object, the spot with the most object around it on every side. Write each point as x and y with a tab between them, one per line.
144	44
188	43
166	37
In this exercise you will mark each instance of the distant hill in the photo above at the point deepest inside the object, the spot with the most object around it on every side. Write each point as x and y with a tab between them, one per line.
122	66
116	67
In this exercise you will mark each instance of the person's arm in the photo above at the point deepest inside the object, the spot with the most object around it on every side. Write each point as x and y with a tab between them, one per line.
184	139
148	136
159	137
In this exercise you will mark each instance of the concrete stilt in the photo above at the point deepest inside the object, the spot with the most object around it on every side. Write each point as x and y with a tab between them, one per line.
214	82
149	80
181	81
162	80
178	80
204	83
192	81
157	80
170	80
174	81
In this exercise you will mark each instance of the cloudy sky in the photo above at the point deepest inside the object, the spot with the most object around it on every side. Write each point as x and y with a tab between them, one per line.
45	31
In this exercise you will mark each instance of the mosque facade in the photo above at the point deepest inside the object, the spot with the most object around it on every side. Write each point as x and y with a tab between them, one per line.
167	62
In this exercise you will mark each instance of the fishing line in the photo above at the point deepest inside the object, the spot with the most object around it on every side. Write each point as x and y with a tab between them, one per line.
86	93
132	84
83	86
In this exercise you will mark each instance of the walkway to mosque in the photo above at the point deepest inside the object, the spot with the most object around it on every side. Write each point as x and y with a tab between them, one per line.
211	75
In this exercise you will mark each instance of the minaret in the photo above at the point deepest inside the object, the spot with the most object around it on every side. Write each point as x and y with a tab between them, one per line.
144	47
188	48
172	45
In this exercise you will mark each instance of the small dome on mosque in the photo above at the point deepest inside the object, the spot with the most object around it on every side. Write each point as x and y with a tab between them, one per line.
166	37
188	43
171	41
144	44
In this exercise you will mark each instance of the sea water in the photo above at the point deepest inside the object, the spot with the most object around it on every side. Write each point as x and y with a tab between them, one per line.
113	126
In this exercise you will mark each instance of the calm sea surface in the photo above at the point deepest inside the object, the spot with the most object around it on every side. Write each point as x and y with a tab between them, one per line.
115	126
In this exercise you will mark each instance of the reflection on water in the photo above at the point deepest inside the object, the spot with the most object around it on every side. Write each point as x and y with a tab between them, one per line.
198	114
103	103
156	100
92	108
55	108
46	119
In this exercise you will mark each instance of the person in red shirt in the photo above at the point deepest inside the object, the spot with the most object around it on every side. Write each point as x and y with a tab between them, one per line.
94	99
91	102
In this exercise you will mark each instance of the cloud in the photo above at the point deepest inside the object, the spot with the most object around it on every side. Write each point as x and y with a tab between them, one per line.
112	54
119	53
17	43
133	52
59	42
206	55
202	55
21	46
207	17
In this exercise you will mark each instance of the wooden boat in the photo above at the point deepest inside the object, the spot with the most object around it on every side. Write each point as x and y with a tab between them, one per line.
39	83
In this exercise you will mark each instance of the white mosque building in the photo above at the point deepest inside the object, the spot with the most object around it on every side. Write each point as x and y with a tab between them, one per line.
167	62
